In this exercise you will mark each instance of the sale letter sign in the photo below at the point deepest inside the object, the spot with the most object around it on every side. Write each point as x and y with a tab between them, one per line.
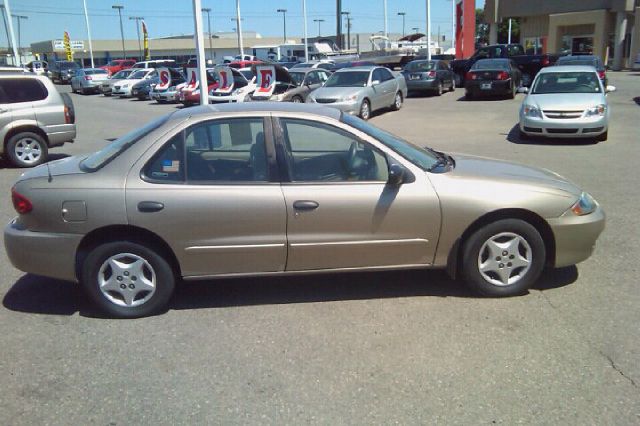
224	76
265	81
165	79
192	78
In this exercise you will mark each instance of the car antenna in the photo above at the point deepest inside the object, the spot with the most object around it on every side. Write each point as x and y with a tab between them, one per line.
49	172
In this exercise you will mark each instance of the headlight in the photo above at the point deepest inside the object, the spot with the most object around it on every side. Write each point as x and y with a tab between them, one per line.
531	111
350	98
585	205
597	110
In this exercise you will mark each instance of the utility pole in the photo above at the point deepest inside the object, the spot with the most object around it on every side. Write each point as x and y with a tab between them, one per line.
429	30
339	14
304	15
137	19
86	18
120	7
19	18
239	29
509	37
319	21
207	10
347	14
284	24
199	39
403	14
453	25
386	32
13	35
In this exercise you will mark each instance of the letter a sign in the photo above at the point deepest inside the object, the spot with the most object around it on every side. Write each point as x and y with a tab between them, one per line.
192	78
265	81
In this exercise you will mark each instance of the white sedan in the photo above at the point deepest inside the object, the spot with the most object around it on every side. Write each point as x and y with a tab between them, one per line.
242	88
123	88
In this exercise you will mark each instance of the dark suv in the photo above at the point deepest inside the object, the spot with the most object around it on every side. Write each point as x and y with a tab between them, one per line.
62	71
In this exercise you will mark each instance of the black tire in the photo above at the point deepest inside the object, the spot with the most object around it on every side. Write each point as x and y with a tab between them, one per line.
297	100
439	90
157	299
107	94
452	88
468	96
514	230
398	100
603	137
27	159
365	110
83	91
512	92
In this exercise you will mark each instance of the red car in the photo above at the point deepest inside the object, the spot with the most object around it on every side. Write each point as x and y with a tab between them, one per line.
242	64
189	97
117	65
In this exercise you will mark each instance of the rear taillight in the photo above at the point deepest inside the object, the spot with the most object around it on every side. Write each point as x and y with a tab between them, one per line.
431	74
20	202
470	76
67	115
602	75
545	61
87	77
503	75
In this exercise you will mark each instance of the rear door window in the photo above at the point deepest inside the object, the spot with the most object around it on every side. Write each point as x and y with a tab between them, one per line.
15	90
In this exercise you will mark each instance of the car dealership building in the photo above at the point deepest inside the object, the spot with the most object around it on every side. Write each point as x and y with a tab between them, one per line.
609	29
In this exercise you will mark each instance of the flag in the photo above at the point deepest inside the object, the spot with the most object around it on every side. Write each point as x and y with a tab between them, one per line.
145	37
67	46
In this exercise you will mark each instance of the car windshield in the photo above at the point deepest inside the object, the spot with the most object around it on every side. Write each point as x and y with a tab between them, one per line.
122	74
100	158
420	66
348	79
96	71
577	61
490	64
67	65
421	157
297	77
138	75
566	82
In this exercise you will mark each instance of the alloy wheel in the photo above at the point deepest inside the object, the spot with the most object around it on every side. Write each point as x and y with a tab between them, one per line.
28	150
127	280
504	259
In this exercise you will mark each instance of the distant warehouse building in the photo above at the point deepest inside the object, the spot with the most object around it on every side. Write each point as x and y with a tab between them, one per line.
606	28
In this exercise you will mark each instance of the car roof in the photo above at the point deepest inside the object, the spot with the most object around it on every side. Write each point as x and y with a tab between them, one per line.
568	68
255	107
574	57
302	69
359	68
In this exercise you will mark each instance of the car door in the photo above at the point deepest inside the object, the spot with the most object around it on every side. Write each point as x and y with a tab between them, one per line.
212	194
312	82
341	213
390	86
377	88
16	102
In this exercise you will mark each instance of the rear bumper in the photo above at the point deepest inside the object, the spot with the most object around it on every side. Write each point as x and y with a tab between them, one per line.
422	84
60	134
502	87
42	253
575	236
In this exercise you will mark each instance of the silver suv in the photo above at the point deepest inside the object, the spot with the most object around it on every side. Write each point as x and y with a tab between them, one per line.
33	118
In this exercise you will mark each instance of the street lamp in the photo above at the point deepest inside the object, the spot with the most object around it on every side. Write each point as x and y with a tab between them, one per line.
19	18
207	10
120	7
319	21
348	28
415	29
239	27
284	23
403	14
138	19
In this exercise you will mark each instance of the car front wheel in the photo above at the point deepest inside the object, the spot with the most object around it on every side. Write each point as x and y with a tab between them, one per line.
397	102
504	258
127	279
365	110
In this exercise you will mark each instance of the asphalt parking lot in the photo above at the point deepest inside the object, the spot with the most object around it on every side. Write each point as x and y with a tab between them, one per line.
392	347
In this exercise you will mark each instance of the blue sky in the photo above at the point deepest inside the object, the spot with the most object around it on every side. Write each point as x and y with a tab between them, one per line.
48	19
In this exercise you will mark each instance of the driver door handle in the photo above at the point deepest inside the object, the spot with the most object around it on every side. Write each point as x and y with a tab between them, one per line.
150	206
305	205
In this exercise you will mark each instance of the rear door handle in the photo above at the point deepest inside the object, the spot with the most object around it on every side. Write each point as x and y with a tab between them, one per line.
149	206
305	205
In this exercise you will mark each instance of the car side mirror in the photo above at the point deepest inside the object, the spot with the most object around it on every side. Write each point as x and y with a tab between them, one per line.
396	175
375	82
523	89
610	88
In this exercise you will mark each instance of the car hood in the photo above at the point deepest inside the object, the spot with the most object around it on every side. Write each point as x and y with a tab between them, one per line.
480	169
336	92
565	101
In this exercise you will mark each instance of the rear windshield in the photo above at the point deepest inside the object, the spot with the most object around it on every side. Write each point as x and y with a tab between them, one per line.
67	65
99	159
578	61
566	82
490	64
348	79
420	66
89	72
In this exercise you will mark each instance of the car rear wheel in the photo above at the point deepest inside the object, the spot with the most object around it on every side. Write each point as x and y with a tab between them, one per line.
514	90
397	102
439	90
365	110
27	149
453	85
127	279
504	258
468	96
296	100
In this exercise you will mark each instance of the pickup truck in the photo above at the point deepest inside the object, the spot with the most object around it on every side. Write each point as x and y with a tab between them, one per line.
529	65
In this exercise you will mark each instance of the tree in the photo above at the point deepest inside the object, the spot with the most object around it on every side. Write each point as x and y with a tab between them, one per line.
482	28
503	31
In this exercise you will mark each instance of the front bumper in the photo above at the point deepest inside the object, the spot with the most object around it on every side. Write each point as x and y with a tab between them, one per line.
42	253
575	236
122	91
349	107
167	96
224	99
587	127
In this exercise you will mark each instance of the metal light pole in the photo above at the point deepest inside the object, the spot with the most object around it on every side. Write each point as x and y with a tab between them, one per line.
429	30
284	24
137	19
120	7
207	10
239	29
19	18
13	36
304	16
386	32
86	18
202	66
4	21
453	25
403	14
509	37
319	21
348	28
